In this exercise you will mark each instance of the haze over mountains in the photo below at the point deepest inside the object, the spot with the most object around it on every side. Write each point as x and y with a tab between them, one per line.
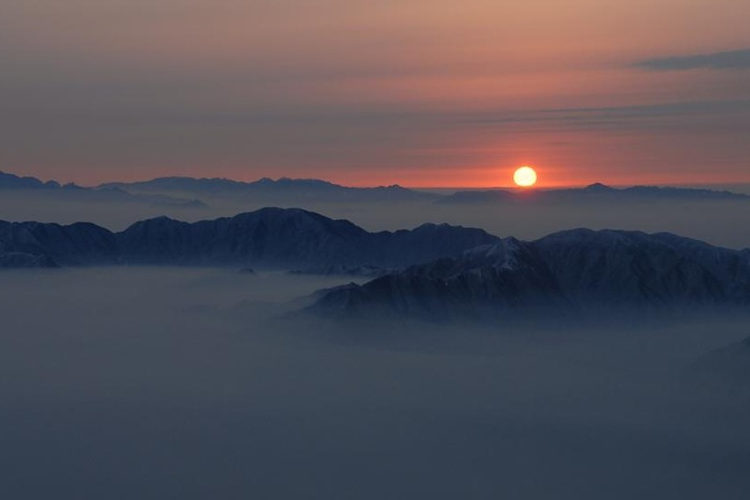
707	215
319	190
173	189
297	259
432	271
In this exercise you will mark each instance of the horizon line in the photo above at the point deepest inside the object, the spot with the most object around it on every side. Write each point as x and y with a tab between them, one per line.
693	184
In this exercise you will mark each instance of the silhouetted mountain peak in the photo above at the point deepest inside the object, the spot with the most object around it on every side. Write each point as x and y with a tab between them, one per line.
12	181
598	187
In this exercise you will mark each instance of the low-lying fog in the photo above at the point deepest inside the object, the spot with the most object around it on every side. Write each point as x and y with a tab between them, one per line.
145	382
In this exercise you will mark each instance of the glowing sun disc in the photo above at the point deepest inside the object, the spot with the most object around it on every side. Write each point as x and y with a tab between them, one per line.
525	177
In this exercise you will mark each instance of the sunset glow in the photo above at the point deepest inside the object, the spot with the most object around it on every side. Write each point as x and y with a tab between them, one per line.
419	93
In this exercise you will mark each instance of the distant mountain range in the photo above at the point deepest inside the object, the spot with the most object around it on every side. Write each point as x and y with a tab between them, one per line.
194	192
268	189
576	272
10	181
591	193
73	192
317	190
291	239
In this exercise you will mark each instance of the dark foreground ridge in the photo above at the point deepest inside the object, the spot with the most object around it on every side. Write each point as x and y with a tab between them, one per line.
291	239
574	272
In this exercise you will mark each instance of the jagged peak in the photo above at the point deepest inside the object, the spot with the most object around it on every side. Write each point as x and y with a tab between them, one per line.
598	234
598	186
154	221
432	225
280	211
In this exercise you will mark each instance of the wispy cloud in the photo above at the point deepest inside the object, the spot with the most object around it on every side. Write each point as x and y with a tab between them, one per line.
708	115
733	59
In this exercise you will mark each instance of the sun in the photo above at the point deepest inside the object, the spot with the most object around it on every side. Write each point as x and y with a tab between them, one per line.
525	176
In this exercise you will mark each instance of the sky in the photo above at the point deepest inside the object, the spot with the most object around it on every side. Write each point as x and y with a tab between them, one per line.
415	92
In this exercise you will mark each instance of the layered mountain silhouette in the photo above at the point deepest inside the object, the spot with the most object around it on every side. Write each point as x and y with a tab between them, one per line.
10	181
292	239
72	192
270	189
266	189
592	193
192	192
578	271
432	271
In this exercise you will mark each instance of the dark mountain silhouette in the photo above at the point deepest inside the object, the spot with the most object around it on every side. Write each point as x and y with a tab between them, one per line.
658	192
273	190
592	193
71	192
292	239
10	181
578	271
55	244
189	191
19	260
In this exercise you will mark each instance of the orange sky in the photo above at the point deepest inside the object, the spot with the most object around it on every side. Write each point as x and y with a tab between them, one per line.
415	92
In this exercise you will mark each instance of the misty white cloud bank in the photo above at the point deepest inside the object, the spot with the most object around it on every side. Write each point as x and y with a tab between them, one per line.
155	382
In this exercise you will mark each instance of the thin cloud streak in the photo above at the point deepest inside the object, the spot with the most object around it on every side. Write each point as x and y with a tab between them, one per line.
708	114
729	60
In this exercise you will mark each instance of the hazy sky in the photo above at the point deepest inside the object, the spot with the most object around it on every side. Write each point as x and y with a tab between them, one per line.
416	92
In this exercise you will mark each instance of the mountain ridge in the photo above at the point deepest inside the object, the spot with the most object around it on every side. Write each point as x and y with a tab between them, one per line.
265	187
309	189
294	239
577	271
592	192
74	192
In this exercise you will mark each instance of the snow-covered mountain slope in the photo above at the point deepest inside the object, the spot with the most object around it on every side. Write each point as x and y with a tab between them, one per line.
580	271
55	244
